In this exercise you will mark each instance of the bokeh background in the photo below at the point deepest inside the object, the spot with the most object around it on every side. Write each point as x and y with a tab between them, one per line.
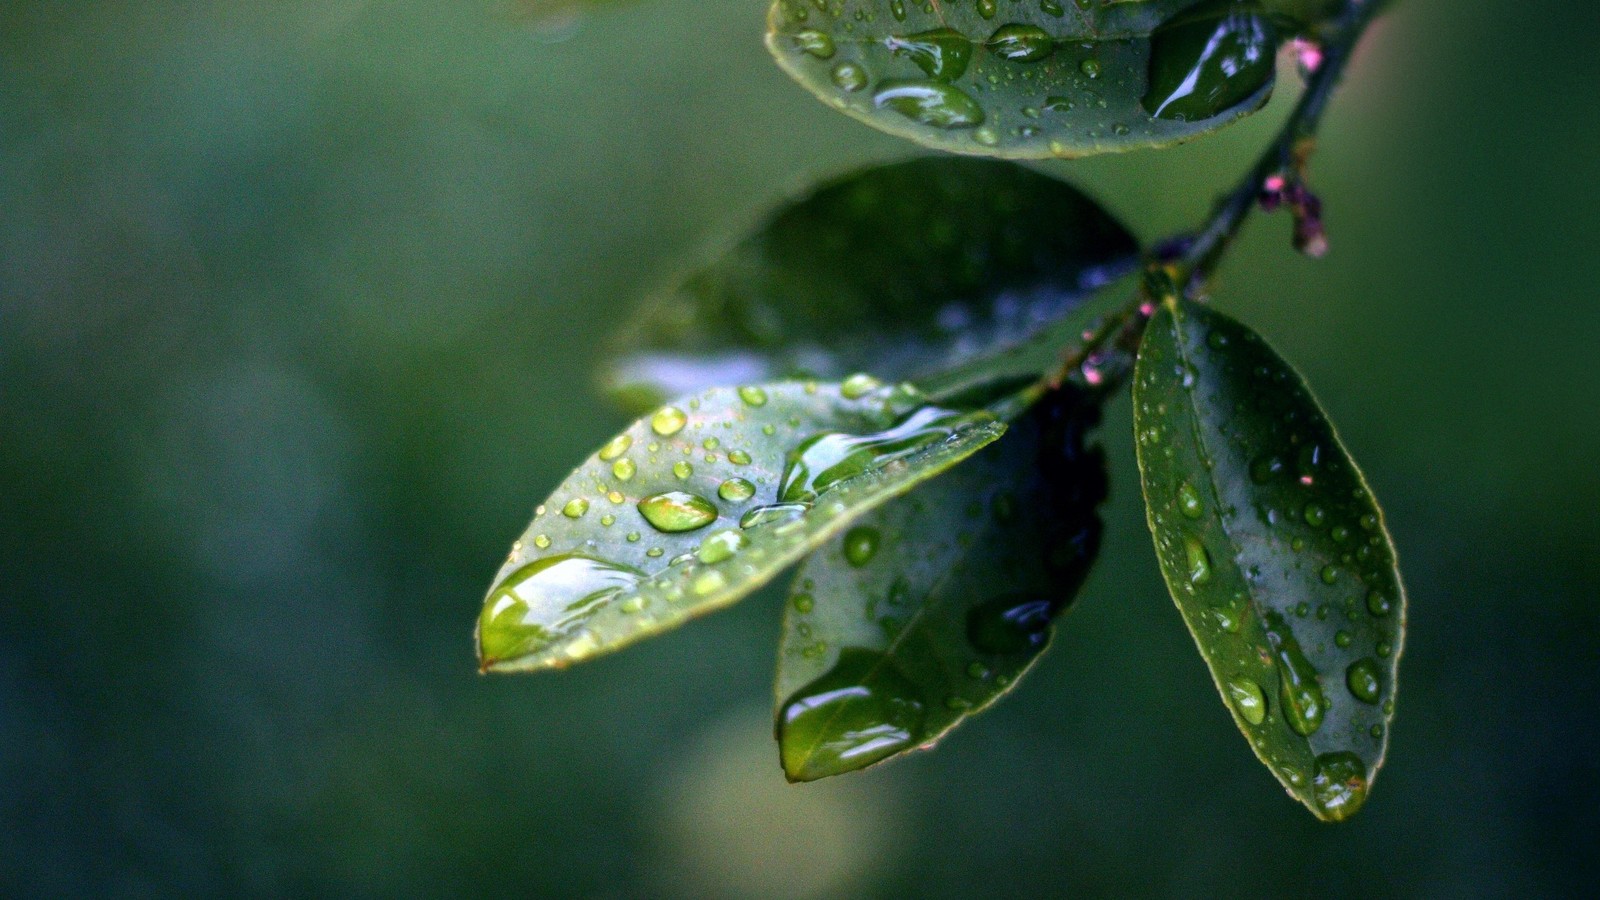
300	304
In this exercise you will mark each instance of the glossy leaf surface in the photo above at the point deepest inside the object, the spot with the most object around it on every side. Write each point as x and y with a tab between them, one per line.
702	502
1274	550
903	269
929	608
1030	78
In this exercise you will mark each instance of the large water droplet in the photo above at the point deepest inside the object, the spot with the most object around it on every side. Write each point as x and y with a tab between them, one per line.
863	710
1340	784
1021	43
943	53
543	601
677	511
814	42
930	103
1204	62
1009	624
860	545
1365	680
776	513
1304	705
825	459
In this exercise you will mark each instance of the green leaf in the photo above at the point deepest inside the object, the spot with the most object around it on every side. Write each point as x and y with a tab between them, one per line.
1031	79
904	270
929	608
1274	550
699	504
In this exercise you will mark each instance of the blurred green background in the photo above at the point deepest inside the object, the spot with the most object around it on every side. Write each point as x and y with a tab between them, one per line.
300	304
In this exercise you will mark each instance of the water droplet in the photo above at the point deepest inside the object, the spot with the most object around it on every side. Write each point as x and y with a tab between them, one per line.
753	395
544	601
608	520
825	459
542	541
1248	700
1340	784
720	546
1204	64
1378	604
682	469
1329	574
1189	501
1021	43
707	583
977	670
575	508
668	420
860	545
616	447
633	537
677	511
1343	639
1090	68
776	513
848	76
1365	680
1304	705
803	603
624	469
1369	522
862	711
739	457
1010	624
711	443
736	490
1315	515
814	42
1197	560
942	54
930	103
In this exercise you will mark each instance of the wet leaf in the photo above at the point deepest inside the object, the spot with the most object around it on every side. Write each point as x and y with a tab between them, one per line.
702	502
1032	79
1274	550
904	269
928	609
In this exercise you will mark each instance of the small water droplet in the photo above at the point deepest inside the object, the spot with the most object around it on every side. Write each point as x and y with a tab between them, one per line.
668	420
1189	501
814	43
1365	680
802	603
739	457
1090	68
542	541
1248	700
849	77
1378	604
1197	560
624	469
860	545
720	546
616	447
1315	515
736	490
682	469
753	395
1021	43
575	508
1304	705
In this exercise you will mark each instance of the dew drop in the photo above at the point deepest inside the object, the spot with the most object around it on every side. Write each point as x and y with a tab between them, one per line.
861	711
720	546
753	395
546	600
624	469
575	508
677	511
1021	43
1248	700
1365	680
682	469
849	77
1197	560
814	43
860	545
736	490
1189	501
616	447
930	103
1340	784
